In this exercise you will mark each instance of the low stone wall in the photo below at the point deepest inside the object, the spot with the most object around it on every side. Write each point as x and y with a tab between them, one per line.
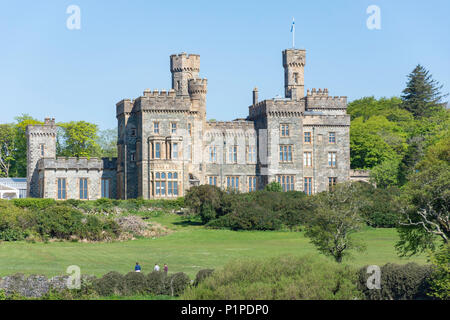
34	286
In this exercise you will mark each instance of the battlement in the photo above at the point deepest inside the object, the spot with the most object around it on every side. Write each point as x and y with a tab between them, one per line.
294	58
197	86
48	128
317	99
73	163
277	107
185	62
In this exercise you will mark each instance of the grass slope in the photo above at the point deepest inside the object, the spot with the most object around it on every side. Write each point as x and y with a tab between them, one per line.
189	249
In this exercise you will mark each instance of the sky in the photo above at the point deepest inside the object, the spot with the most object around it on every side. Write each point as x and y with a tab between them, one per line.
123	48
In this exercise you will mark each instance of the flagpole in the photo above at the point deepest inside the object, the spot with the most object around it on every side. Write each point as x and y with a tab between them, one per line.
293	33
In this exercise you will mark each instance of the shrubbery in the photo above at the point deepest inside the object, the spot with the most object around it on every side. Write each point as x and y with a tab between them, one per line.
283	278
202	275
271	209
261	210
137	283
398	282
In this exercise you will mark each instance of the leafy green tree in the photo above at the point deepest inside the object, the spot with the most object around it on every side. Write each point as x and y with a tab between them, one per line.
107	140
336	217
440	278
426	202
386	174
422	95
7	148
374	141
19	164
79	139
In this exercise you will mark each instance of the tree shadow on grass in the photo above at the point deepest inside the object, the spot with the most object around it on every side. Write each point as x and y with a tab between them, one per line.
188	223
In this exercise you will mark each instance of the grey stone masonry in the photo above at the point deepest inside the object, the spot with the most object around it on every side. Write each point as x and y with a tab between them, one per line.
165	144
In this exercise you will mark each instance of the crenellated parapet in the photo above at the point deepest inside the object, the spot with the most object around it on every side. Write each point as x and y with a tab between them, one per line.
319	99
185	62
197	88
277	108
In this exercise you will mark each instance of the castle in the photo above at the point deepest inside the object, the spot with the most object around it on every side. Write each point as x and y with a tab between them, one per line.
166	145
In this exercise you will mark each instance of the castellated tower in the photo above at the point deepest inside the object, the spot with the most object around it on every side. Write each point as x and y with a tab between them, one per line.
197	91
294	66
183	68
41	143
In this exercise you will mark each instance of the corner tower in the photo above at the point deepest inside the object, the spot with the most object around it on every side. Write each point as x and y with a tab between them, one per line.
183	68
41	143
294	73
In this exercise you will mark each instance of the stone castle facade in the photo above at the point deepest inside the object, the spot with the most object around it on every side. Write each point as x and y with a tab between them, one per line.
166	145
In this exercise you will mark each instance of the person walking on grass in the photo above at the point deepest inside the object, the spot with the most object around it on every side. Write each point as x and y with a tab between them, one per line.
137	267
156	268
166	268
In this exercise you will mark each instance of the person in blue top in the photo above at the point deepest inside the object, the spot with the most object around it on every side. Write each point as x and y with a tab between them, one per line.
137	267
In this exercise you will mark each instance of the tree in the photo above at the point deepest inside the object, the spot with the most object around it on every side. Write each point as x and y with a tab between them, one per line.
422	95
7	148
440	278
107	141
426	202
19	164
374	141
79	139
335	219
386	174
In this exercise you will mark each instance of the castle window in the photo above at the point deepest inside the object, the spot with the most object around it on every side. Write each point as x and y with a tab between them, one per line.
178	85
308	186
132	156
156	127
233	154
251	154
42	149
165	179
106	183
296	78
332	181
307	137
190	129
133	132
307	159
157	150
252	183
233	183
286	182
62	195
284	130
332	159
212	154
212	181
332	137
174	128
174	150
286	153
83	188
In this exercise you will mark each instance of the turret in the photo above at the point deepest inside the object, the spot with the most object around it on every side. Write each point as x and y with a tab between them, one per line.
197	89
183	67
41	143
294	63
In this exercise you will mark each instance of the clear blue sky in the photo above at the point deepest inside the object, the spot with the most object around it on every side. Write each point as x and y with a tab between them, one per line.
123	47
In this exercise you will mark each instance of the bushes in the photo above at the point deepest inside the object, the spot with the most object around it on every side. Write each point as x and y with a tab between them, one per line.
177	283
260	210
202	275
283	278
398	282
32	203
52	221
112	283
136	283
157	283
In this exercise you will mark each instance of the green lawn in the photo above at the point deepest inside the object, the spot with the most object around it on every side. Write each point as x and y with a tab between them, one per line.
189	249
